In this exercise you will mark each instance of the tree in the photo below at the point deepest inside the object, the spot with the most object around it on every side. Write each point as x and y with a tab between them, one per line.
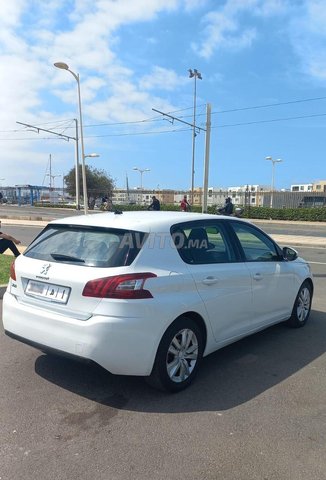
99	184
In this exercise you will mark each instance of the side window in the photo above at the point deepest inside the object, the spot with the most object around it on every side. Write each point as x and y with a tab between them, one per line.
202	244
256	246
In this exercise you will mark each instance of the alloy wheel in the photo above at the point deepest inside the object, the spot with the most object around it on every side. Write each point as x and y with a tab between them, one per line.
303	305
182	355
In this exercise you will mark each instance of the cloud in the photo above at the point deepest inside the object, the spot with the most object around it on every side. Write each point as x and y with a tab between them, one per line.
11	13
233	25
84	34
307	33
88	34
191	5
161	78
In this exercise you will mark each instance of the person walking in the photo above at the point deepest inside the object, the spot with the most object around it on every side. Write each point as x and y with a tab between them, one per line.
7	241
184	204
155	205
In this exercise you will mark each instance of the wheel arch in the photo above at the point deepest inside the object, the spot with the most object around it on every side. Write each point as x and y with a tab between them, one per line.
196	317
311	283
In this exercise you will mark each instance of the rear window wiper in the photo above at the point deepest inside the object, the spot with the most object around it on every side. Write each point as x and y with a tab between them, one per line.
63	257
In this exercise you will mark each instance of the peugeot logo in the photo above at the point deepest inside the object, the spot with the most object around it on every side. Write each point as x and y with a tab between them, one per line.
45	268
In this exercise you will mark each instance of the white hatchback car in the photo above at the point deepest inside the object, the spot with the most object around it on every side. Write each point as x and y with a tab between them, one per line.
151	293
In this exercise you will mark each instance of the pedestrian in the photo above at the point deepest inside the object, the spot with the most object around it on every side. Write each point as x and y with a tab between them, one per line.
7	241
228	207
155	205
184	204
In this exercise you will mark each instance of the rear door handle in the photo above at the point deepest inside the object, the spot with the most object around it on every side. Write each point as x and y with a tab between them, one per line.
258	276
210	280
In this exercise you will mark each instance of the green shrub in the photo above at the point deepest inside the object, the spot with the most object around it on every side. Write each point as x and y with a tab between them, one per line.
312	214
316	214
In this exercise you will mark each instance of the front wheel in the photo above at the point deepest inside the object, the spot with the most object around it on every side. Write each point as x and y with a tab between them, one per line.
302	306
178	356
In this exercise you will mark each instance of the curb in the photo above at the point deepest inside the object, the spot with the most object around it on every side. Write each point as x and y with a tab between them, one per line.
3	288
35	218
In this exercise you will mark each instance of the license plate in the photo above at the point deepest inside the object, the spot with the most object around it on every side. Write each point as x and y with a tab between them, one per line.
47	291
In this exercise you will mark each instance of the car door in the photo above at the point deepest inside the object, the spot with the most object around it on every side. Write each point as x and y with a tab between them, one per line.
223	283
273	281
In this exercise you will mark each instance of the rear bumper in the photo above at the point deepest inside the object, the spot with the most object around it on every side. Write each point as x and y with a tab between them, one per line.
124	346
46	349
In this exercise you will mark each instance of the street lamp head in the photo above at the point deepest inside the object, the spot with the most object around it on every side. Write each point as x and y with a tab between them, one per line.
61	65
194	73
142	169
274	161
92	155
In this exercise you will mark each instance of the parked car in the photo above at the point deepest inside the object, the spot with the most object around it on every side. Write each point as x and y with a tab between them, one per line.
151	293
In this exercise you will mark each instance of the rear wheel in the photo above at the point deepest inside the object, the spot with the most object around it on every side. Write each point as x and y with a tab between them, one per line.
178	356
302	306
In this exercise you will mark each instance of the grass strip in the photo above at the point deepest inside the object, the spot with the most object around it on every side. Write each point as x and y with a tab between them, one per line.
5	262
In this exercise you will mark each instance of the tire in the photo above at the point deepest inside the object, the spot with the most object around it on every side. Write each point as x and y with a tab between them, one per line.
178	356
302	306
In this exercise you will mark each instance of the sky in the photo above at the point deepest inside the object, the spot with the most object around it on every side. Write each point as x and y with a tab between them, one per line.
263	68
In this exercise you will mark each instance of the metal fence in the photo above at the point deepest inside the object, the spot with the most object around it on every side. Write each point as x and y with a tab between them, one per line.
278	199
246	198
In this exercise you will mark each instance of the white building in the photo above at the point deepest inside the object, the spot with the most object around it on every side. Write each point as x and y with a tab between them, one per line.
248	193
302	187
216	196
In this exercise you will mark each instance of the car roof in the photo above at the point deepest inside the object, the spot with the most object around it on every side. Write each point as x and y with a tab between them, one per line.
145	221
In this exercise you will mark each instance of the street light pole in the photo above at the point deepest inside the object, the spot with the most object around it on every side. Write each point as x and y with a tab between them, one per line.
64	66
141	171
194	74
77	167
279	160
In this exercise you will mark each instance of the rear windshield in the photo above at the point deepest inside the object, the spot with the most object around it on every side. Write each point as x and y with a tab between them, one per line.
87	246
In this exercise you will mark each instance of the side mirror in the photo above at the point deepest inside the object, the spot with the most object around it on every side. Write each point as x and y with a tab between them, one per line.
289	254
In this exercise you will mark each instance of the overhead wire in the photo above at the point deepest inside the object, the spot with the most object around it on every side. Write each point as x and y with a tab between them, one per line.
270	120
60	124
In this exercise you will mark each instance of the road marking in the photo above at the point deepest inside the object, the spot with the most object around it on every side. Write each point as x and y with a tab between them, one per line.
315	247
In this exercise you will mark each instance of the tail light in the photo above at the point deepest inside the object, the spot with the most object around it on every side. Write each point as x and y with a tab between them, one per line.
13	271
127	286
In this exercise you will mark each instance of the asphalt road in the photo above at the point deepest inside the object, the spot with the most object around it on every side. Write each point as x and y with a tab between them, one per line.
26	232
47	214
255	412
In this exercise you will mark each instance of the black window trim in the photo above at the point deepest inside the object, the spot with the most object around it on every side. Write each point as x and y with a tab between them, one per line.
259	230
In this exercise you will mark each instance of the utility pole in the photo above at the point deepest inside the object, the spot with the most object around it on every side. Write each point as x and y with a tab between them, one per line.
194	74
207	130
52	177
67	138
50	171
207	153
